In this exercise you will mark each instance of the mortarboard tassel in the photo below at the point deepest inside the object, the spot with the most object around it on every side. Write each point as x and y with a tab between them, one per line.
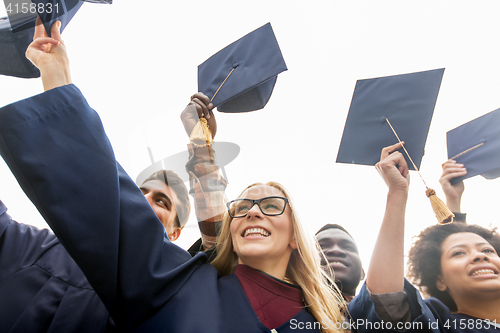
201	135
442	212
207	133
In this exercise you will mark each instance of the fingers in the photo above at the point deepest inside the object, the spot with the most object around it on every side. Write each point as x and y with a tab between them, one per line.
201	108
55	31
399	160
394	170
203	105
39	29
452	169
201	96
403	169
45	44
393	160
387	150
41	41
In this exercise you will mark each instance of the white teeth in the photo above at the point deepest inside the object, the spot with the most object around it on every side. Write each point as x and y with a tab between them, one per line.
337	263
482	272
256	232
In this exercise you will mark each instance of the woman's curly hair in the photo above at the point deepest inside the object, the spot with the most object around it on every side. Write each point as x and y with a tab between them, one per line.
424	258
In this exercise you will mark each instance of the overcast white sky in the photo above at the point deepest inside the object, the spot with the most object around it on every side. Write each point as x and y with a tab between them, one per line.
136	62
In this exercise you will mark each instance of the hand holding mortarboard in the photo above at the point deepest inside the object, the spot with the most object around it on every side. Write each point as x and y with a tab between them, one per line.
17	30
394	169
476	145
49	55
393	107
453	192
199	111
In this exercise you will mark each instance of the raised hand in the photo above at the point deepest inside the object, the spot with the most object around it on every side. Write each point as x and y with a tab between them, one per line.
453	193
200	106
49	55
393	168
386	270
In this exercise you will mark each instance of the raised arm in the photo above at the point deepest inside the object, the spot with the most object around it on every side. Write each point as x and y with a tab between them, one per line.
453	193
386	271
207	186
55	145
49	55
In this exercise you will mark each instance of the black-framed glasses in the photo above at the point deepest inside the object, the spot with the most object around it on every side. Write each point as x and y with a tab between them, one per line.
270	206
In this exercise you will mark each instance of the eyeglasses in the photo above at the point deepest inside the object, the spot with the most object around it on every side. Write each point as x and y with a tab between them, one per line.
269	206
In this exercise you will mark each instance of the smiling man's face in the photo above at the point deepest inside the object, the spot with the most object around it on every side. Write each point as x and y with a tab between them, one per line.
163	201
342	257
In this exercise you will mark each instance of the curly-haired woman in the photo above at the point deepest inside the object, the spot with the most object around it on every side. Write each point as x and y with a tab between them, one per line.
457	264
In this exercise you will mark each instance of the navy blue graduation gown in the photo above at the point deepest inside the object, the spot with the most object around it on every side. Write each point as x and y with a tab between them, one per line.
429	315
41	287
55	145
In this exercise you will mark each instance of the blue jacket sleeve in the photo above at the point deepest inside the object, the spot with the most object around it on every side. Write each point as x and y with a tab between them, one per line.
366	319
56	147
20	245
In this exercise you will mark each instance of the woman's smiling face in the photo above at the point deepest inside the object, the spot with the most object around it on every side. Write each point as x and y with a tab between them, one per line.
259	238
470	266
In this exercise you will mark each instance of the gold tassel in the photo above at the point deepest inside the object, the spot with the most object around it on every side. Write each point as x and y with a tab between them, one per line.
207	133
201	135
443	213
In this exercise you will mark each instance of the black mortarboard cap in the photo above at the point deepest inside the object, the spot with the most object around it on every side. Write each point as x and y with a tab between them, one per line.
13	46
255	61
17	30
66	9
406	100
477	144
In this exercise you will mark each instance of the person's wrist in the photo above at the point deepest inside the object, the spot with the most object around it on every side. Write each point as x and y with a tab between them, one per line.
53	78
453	203
398	193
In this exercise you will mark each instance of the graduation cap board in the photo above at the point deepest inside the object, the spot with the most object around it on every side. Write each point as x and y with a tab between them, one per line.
13	46
63	10
387	109
17	30
476	145
406	100
241	76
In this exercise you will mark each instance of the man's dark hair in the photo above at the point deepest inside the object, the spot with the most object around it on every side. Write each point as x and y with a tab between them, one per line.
424	258
172	180
332	226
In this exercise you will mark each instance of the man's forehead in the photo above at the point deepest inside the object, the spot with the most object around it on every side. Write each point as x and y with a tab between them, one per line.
335	233
155	184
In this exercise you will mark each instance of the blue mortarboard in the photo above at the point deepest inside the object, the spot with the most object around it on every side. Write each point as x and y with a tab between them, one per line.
476	145
13	46
66	9
388	109
17	30
407	101
241	76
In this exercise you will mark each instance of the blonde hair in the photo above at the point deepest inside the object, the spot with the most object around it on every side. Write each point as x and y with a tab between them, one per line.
323	299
